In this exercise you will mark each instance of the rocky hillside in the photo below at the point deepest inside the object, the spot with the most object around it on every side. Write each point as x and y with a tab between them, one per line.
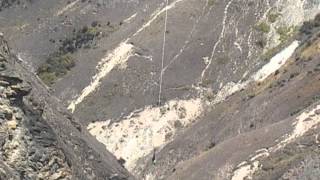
39	138
174	89
266	130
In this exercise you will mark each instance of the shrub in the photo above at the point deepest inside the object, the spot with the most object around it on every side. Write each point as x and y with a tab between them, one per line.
308	27
284	33
55	67
263	27
211	2
59	63
94	24
261	42
83	37
48	77
317	20
272	17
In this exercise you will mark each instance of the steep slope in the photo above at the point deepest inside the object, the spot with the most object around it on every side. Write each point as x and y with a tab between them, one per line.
274	121
172	88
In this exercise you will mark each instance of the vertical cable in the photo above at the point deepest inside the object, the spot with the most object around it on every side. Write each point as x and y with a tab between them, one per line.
163	50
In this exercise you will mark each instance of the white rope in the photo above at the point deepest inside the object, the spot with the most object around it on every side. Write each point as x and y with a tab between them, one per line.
163	51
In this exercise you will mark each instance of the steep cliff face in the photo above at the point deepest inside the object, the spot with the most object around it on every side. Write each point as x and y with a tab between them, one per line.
39	138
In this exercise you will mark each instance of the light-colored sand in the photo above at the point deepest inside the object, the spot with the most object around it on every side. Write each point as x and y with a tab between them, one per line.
305	122
150	177
227	90
276	62
157	14
137	135
129	19
117	57
245	171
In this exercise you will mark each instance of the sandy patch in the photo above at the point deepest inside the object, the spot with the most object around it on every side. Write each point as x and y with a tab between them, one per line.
305	122
117	57
227	90
129	19
245	171
276	62
140	133
157	14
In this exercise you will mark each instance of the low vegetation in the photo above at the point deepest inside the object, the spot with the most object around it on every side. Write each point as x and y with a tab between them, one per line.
8	3
263	27
285	33
211	2
82	38
262	42
55	66
309	27
273	16
271	52
59	63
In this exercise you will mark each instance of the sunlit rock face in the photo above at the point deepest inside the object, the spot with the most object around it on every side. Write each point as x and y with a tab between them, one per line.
28	144
286	17
39	139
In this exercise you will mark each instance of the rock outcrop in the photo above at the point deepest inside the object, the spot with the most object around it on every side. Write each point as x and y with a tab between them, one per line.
39	139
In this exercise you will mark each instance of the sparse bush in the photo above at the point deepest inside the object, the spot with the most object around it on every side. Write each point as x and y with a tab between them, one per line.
261	42
48	77
271	52
211	2
293	75
182	112
206	82
222	59
94	24
285	33
317	20
55	67
272	17
263	27
211	145
59	63
163	111
308	27
177	124
9	3
82	38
